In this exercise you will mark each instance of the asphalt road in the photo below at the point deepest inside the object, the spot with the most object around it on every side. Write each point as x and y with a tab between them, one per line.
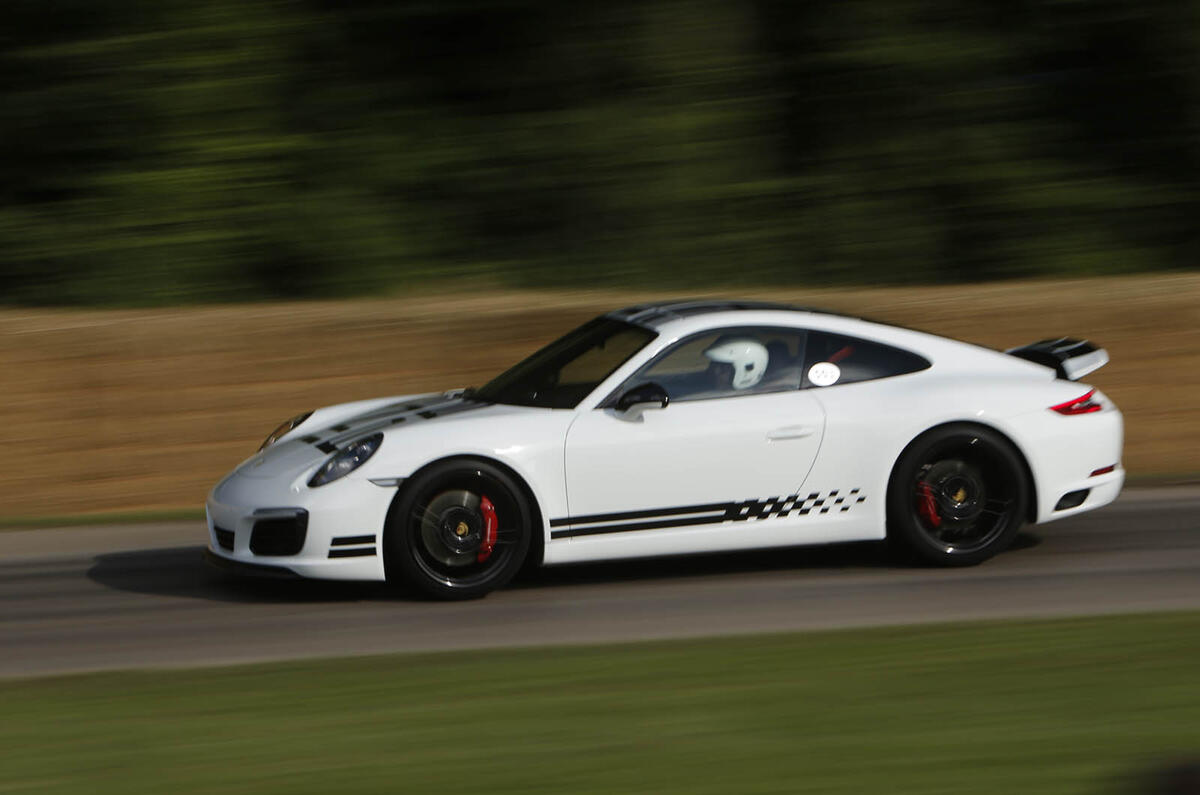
141	596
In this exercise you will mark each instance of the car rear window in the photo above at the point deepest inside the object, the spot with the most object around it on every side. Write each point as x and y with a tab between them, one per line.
853	360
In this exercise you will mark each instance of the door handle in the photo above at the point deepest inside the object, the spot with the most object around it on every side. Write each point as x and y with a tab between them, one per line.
791	432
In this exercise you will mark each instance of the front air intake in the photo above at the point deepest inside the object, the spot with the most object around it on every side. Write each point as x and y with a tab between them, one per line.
224	538
279	532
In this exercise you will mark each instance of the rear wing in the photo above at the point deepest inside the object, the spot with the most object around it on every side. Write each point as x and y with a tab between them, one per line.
1071	359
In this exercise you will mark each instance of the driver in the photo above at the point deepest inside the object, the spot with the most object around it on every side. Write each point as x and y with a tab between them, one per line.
737	362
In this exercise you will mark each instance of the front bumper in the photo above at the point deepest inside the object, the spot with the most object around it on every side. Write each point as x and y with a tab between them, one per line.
340	538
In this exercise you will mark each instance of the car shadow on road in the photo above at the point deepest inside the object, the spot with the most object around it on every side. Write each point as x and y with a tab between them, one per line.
183	572
859	556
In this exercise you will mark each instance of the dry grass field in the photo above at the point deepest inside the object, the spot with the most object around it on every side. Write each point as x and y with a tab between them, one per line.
142	410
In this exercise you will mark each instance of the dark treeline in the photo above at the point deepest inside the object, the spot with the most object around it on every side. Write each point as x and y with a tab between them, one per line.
177	150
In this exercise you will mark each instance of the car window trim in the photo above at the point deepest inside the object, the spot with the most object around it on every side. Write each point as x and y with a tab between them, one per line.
610	400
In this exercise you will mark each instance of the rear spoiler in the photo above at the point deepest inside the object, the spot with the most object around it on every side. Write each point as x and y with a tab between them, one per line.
1071	359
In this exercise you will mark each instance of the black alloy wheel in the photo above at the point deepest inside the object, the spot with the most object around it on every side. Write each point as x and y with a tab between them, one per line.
957	496
458	530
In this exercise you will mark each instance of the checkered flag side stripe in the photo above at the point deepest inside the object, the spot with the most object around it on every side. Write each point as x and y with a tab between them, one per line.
781	507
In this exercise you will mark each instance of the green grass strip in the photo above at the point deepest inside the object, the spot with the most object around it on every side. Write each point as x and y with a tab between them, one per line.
1042	707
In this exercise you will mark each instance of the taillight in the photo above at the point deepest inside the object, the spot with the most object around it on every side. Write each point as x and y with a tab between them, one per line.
1080	405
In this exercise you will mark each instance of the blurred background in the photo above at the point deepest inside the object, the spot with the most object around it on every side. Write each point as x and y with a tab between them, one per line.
166	151
217	214
468	160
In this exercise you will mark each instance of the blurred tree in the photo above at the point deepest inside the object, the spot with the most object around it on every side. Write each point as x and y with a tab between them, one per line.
185	150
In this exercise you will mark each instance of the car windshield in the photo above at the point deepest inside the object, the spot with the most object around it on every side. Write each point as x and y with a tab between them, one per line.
568	369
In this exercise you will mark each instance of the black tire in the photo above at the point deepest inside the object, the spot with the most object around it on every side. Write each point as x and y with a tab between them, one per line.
957	496
436	528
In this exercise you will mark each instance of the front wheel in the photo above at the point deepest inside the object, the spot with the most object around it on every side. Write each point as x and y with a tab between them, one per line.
458	530
957	496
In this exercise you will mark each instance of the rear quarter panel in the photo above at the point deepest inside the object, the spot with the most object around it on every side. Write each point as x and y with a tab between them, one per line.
869	424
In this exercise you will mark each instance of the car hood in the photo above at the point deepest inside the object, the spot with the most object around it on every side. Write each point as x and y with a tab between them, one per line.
329	430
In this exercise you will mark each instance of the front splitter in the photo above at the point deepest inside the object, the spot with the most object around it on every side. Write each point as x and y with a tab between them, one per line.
249	569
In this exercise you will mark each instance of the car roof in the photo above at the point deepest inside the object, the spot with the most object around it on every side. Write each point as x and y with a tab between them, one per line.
659	313
674	319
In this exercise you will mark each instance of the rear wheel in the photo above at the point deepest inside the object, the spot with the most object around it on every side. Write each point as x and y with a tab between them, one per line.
957	496
458	530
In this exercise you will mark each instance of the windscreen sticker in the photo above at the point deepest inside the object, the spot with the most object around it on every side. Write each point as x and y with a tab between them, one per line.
824	374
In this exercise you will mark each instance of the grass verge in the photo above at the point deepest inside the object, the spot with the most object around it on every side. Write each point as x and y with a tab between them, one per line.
1054	706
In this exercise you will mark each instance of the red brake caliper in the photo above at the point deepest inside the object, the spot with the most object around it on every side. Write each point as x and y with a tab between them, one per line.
490	523
926	506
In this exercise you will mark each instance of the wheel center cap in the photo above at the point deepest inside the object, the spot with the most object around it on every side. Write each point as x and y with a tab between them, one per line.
459	530
961	498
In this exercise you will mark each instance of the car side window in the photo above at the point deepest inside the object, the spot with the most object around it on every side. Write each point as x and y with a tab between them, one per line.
727	362
839	359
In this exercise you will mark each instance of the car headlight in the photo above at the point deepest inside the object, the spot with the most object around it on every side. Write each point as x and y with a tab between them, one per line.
282	429
346	460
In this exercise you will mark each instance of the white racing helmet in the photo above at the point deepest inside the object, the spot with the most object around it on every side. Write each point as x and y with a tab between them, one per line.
747	357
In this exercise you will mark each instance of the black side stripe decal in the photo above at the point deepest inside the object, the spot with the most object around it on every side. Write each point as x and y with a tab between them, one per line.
771	507
352	553
350	541
621	528
614	517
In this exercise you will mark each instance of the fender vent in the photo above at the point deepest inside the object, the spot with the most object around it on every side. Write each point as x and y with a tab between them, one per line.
352	546
1072	499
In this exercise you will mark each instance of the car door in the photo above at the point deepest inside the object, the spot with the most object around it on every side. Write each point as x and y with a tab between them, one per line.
717	457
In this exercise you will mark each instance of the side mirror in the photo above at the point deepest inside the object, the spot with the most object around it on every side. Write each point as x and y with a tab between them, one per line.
642	397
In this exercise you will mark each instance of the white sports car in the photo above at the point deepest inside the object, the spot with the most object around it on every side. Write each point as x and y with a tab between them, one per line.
674	428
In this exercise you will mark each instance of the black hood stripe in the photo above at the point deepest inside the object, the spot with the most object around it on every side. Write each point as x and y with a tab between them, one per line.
392	409
442	409
394	414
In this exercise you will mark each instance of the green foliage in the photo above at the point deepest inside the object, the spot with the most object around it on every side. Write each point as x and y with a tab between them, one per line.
169	151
